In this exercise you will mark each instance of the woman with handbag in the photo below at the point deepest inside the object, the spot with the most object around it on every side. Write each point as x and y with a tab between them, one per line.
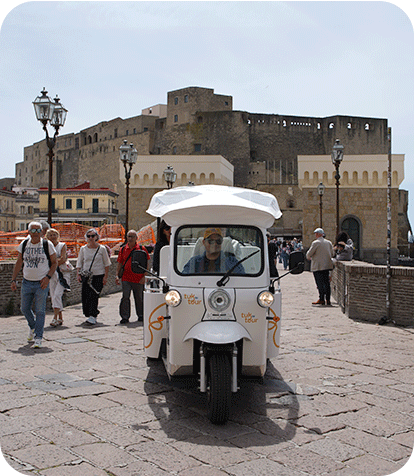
61	277
92	271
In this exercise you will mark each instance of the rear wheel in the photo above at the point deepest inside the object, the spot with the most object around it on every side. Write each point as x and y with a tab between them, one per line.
219	391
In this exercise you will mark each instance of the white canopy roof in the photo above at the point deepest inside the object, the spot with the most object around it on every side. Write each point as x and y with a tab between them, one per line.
204	204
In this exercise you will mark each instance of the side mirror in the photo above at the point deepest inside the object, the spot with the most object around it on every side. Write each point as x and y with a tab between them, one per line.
296	262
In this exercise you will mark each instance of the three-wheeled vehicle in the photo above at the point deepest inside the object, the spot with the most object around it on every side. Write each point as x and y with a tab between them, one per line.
214	310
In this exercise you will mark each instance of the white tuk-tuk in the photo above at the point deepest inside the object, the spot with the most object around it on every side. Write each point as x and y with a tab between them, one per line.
214	310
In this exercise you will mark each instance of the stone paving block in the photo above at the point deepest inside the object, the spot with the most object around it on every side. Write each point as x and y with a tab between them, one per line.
78	419
260	467
103	454
210	450
321	425
372	444
89	403
167	431
301	459
65	435
19	440
125	416
334	449
25	423
406	439
365	422
82	469
163	456
120	436
43	456
139	468
260	444
84	388
374	466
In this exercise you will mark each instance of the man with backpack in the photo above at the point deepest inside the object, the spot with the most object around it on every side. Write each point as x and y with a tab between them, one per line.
37	256
132	276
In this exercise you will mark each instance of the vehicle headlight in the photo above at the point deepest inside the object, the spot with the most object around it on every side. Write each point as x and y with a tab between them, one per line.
219	300
173	298
265	299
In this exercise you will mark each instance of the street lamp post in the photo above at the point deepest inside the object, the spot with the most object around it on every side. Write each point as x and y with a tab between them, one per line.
321	191
128	155
170	176
52	112
337	157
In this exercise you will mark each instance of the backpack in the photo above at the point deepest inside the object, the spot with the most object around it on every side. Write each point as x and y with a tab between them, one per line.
139	261
45	249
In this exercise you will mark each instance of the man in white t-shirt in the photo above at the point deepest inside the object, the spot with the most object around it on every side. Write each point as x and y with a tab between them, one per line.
38	269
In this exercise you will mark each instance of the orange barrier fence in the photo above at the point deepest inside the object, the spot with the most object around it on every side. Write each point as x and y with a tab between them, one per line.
73	234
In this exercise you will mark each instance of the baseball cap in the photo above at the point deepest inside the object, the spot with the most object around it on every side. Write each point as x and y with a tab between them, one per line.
320	231
212	231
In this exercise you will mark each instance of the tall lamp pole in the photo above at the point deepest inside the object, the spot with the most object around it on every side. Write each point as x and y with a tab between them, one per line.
321	191
128	155
52	112
337	157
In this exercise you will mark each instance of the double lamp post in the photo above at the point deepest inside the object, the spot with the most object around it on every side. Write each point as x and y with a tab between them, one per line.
128	155
52	113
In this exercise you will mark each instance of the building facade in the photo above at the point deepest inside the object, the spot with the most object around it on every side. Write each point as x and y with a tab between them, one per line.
263	149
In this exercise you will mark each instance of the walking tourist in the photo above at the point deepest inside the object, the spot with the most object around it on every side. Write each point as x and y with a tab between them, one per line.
37	256
321	253
92	270
61	278
130	280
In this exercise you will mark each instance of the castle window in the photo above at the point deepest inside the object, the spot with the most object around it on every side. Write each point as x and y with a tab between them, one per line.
175	100
127	132
68	204
95	137
176	118
135	130
186	98
79	203
145	129
226	103
197	147
174	150
331	125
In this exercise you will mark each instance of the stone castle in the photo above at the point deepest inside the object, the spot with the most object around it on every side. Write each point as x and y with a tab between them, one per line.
262	148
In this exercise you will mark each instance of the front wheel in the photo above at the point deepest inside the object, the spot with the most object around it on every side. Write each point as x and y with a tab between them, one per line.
219	391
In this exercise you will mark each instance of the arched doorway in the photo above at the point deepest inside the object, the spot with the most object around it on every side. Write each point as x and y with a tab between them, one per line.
352	226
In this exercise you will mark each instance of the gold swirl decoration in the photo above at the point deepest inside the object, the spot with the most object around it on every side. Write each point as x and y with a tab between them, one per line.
156	324
273	327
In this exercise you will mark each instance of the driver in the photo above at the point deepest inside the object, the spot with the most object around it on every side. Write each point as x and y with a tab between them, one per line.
213	260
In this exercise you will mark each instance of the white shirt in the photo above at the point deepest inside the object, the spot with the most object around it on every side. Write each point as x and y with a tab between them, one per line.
101	261
35	263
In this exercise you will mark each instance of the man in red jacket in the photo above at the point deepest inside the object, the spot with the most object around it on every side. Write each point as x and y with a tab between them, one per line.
130	281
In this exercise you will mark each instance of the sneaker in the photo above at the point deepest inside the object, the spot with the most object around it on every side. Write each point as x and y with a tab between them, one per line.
124	321
30	337
318	302
37	343
90	321
328	303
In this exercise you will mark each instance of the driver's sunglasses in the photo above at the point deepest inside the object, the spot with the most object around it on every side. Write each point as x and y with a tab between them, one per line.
36	230
219	241
90	236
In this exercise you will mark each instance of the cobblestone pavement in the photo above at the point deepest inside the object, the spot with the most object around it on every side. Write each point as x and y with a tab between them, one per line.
337	401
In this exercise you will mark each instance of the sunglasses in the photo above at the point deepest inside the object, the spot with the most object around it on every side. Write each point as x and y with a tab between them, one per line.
90	236
219	241
35	230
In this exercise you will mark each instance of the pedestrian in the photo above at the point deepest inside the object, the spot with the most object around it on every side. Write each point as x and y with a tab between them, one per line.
92	270
344	247
321	253
61	278
130	281
272	250
37	256
164	235
284	254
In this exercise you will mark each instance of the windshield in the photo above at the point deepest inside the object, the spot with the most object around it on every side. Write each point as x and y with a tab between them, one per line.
215	249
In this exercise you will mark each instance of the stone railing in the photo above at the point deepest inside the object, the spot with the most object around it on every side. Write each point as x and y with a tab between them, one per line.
360	289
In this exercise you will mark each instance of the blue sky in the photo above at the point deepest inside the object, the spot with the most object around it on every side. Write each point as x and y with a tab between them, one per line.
112	59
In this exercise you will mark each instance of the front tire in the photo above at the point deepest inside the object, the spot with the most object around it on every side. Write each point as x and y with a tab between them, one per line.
219	392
